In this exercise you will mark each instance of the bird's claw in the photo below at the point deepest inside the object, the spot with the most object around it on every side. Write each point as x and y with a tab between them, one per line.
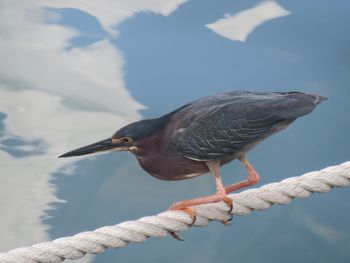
228	222
229	203
175	235
190	211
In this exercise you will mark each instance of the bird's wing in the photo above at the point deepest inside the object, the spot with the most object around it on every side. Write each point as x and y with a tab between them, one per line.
224	127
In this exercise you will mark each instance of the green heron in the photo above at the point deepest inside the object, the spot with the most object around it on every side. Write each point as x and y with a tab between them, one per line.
202	135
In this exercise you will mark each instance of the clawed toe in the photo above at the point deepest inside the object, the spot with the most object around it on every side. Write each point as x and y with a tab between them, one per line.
228	222
186	207
190	211
176	236
228	202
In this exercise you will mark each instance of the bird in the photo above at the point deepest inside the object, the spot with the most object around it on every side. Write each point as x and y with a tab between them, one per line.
205	134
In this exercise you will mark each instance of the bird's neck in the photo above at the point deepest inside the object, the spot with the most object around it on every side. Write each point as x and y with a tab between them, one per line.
148	146
154	141
151	152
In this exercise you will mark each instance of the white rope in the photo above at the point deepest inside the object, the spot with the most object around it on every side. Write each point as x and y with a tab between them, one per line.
160	225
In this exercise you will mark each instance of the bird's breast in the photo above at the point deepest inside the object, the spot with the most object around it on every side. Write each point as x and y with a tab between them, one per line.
163	162
171	167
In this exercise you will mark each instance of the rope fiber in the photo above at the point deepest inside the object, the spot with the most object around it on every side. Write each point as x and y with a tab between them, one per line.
120	235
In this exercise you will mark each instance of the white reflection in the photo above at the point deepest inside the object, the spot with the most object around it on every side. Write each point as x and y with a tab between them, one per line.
36	58
25	190
326	232
240	25
111	12
62	97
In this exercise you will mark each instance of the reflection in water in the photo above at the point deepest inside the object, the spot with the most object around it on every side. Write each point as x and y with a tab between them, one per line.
239	26
17	147
58	92
77	88
34	120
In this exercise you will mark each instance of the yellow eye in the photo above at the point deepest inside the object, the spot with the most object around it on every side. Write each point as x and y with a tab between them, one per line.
127	140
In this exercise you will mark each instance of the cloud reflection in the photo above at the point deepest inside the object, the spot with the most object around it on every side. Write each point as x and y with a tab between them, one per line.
240	25
323	231
54	99
111	12
26	191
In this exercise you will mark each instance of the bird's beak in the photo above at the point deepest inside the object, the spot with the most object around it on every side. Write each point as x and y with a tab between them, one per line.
104	145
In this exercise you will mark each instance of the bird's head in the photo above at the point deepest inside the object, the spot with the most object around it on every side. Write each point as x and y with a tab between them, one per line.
124	139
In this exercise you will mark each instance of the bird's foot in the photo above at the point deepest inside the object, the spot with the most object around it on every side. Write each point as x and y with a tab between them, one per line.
186	207
189	210
228	222
229	203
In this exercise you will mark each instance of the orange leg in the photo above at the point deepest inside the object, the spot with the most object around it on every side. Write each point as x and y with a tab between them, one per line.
252	179
221	191
220	194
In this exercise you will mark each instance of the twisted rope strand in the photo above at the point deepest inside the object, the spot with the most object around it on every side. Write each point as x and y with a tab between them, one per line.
160	225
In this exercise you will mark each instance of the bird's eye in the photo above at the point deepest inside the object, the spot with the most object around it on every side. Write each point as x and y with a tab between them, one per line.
127	140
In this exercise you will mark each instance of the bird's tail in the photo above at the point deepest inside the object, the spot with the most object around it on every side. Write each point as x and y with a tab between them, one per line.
314	98
300	104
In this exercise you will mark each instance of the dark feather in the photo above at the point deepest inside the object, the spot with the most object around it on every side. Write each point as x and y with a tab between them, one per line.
227	124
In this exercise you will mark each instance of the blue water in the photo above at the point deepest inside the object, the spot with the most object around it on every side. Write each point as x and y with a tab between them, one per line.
175	59
90	29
